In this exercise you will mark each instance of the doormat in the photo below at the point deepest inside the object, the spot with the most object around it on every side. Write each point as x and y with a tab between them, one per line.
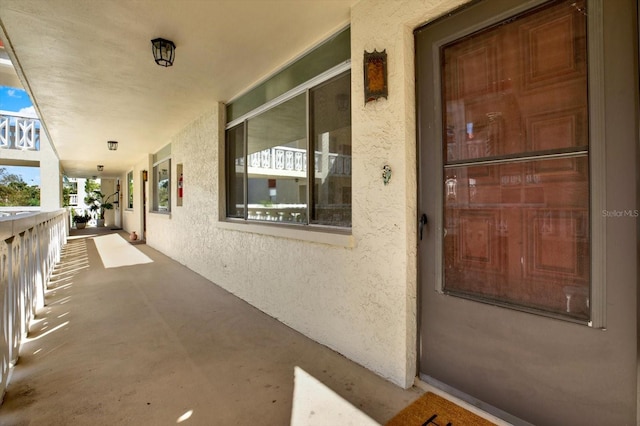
433	410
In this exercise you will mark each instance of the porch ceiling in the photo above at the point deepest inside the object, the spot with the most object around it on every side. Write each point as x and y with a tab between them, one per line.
89	69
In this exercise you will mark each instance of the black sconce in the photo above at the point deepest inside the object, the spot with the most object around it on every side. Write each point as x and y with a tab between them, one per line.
375	75
163	51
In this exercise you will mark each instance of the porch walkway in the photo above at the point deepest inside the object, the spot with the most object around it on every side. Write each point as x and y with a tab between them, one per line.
157	344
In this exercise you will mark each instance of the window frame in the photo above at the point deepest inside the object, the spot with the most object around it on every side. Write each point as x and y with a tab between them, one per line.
155	207
597	160
304	88
130	190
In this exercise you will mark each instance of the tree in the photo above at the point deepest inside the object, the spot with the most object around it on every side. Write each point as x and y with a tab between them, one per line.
66	196
67	187
98	202
6	178
90	186
14	192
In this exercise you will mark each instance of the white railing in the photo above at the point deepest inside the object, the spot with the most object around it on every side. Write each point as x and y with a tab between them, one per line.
30	246
19	132
73	199
14	211
286	161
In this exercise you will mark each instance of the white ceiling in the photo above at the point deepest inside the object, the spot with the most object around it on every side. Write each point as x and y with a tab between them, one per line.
89	69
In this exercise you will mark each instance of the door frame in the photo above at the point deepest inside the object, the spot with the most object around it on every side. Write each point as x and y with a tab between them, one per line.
600	178
144	178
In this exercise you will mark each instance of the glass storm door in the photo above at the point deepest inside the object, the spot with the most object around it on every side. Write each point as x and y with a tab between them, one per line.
515	164
505	259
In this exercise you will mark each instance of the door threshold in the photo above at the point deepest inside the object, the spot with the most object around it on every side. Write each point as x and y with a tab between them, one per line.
482	409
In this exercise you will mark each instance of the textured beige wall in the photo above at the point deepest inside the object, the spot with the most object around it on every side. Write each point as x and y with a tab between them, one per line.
354	294
50	176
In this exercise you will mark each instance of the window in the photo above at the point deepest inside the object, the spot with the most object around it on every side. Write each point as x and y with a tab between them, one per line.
331	130
516	163
162	186
130	190
235	171
271	176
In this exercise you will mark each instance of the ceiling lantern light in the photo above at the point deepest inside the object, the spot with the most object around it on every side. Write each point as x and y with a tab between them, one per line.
163	51
100	167
113	145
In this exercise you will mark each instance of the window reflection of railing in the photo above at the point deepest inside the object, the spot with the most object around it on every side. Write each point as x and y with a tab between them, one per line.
19	132
283	159
335	214
338	164
293	213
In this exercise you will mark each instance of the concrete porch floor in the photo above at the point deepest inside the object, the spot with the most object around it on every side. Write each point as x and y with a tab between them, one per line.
151	343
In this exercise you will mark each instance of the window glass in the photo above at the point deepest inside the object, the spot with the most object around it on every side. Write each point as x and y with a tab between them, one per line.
331	123
269	170
235	171
130	190
517	88
276	163
162	186
516	155
329	54
519	233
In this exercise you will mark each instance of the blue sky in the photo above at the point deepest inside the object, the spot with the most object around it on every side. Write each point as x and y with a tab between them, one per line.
17	100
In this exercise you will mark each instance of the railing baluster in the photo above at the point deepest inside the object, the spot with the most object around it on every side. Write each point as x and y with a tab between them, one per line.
18	132
4	132
27	258
277	159
5	313
25	134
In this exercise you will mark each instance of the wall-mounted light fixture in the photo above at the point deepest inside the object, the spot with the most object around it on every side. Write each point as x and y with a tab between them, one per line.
100	167
113	145
375	75
145	175
163	51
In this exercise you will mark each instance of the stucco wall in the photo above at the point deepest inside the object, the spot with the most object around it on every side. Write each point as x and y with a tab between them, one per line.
385	218
355	294
50	176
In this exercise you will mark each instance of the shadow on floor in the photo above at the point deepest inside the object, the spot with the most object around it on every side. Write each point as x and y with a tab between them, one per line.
157	344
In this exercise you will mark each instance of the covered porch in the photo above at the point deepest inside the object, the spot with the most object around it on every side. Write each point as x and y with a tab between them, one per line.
156	343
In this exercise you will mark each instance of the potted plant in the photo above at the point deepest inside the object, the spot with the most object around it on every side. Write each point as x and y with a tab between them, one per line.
81	220
98	202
